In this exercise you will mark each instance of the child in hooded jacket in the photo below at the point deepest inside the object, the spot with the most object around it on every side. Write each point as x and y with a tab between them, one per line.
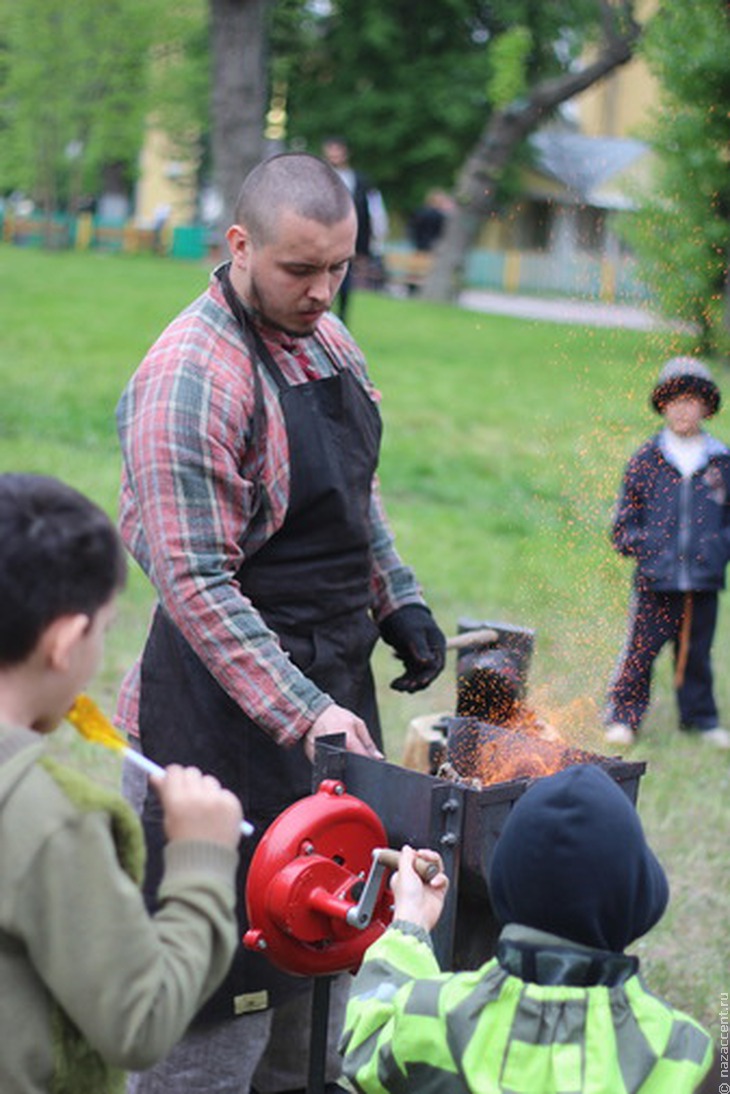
561	1008
91	984
673	519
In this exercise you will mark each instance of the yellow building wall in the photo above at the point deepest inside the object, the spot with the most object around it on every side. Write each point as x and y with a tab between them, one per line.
620	104
165	183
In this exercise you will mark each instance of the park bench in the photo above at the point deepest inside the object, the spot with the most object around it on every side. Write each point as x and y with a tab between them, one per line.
407	270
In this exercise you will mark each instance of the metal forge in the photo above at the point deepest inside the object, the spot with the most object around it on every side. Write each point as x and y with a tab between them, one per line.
480	761
317	887
308	874
460	821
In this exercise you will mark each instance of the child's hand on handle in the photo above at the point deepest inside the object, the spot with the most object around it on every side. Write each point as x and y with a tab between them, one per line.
418	901
196	807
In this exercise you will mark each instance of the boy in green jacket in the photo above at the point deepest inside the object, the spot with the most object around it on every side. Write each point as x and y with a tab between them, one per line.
90	983
561	1009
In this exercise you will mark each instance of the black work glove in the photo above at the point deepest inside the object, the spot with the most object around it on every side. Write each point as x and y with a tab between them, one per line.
418	642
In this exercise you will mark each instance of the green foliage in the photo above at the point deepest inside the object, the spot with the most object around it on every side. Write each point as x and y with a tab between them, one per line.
411	86
682	234
72	92
404	83
558	31
180	76
508	62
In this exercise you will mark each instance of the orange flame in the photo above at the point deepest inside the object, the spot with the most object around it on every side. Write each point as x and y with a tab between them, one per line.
526	746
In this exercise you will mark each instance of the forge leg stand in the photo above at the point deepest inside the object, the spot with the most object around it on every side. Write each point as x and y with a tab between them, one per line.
318	1036
446	822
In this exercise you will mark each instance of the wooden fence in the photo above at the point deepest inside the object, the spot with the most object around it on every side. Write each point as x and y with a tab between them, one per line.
89	233
538	273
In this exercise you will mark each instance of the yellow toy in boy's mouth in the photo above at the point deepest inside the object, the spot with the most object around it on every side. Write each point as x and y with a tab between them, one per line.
86	717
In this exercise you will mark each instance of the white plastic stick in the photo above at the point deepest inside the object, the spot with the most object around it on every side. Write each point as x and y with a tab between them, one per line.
152	768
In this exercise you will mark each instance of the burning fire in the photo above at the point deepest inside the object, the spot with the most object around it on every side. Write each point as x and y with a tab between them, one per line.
495	736
519	755
524	747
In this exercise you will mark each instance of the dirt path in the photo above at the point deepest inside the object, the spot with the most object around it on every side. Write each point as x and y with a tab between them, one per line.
561	310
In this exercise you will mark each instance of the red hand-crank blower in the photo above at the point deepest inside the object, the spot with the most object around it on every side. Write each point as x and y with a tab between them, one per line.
316	896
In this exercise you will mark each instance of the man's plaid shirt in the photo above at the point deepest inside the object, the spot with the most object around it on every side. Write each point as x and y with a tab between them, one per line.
185	423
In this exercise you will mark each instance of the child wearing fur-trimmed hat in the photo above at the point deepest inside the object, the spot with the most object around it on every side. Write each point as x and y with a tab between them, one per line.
673	519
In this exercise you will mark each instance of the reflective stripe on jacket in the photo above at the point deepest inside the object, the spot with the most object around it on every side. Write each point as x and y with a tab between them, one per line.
410	1027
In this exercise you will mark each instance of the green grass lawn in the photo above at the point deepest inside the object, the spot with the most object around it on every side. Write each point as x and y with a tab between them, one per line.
504	444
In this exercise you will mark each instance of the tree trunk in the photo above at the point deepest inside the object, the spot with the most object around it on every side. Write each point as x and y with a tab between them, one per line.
476	188
238	51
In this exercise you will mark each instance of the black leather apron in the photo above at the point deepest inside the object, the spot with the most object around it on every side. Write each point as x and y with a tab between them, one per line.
311	584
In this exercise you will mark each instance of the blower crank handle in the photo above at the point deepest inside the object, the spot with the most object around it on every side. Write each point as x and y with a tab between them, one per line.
384	858
391	858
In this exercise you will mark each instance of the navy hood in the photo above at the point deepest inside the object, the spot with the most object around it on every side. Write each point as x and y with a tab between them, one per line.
572	859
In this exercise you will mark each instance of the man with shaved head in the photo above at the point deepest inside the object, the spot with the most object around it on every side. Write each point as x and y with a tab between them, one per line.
250	435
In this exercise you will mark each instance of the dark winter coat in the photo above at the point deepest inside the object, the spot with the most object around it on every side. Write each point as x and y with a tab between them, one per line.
364	236
677	529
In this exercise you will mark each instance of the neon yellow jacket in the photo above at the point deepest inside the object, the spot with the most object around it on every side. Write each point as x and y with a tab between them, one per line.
410	1027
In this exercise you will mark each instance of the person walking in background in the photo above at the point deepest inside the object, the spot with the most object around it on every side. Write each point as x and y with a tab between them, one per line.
250	437
372	224
90	983
673	519
561	1008
426	224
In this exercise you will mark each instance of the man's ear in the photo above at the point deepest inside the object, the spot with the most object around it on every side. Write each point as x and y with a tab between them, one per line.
239	244
61	638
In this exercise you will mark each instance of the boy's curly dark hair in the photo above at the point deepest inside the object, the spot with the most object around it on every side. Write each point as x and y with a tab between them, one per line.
59	554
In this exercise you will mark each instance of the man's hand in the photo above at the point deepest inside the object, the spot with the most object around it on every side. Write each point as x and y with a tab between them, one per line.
418	642
338	720
420	902
196	807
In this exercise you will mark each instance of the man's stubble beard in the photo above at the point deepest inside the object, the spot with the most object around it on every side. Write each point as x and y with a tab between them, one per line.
258	306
